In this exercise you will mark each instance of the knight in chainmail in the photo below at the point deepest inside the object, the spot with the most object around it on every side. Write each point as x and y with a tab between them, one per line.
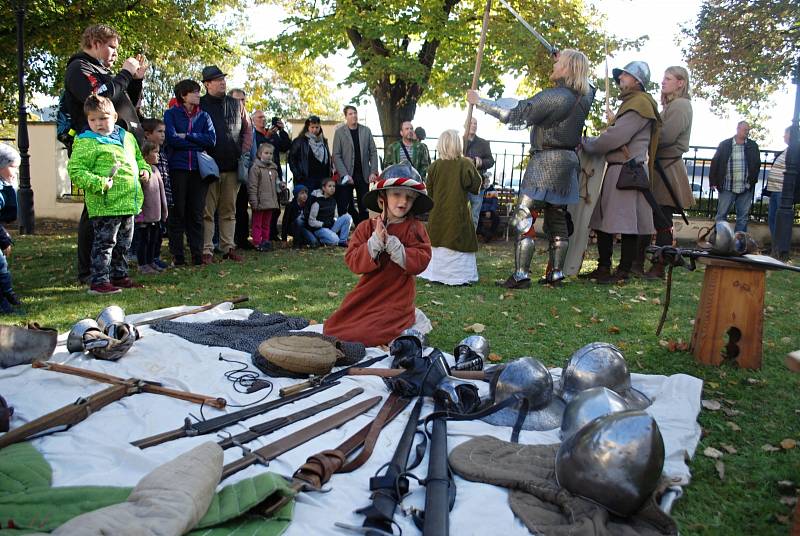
556	117
242	335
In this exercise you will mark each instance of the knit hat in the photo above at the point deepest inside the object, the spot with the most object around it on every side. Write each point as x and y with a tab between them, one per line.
405	177
299	188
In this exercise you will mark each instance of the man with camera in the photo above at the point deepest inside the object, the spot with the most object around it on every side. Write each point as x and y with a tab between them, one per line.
276	136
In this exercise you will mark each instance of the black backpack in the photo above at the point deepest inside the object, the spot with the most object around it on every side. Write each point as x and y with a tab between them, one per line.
64	131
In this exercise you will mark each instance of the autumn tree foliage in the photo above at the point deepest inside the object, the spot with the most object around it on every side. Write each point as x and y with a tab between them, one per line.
741	51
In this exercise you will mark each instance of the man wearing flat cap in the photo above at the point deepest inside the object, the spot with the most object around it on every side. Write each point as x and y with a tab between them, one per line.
234	138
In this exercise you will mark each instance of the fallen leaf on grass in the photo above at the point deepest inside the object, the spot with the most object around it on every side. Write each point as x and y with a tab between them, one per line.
711	405
312	322
434	302
222	273
786	340
159	291
711	452
656	301
332	294
788	444
789	501
475	328
720	467
782	519
731	412
493	357
613	329
730	449
577	310
554	312
769	448
290	297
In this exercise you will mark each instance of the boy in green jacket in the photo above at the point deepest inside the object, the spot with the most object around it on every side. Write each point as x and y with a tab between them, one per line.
107	165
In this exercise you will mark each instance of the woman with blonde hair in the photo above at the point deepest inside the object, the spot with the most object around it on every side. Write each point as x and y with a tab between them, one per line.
676	117
556	117
450	225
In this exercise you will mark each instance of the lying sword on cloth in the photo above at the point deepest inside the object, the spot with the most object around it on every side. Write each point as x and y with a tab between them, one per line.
328	378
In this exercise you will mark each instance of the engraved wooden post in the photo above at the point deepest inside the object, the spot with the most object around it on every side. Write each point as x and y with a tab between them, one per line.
729	321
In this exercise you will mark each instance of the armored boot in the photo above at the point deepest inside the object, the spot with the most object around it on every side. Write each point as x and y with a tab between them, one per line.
523	254
557	255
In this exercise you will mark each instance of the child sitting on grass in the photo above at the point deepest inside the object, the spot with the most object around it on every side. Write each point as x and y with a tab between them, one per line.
154	213
322	217
388	251
107	165
9	169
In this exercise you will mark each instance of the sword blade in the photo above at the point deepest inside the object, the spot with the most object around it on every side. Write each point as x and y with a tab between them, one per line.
287	443
270	426
550	48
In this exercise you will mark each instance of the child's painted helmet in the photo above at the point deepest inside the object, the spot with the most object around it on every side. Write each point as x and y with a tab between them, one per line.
400	176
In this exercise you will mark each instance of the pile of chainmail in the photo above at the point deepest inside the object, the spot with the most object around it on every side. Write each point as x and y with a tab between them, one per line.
242	335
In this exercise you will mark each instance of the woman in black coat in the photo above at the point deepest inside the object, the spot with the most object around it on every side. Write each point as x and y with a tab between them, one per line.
309	157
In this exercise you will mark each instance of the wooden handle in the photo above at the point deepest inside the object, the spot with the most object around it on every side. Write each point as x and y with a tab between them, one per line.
214	402
76	371
391	373
296	388
206	307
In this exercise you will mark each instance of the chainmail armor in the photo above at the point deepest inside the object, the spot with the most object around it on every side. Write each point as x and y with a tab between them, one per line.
557	122
242	335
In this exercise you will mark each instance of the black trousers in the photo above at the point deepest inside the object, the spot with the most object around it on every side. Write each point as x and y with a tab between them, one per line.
242	229
605	249
85	241
186	215
149	242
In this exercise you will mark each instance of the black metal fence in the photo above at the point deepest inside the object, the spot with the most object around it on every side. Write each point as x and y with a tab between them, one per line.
512	157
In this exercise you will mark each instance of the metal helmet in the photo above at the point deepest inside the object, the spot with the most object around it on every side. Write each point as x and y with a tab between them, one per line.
476	343
637	69
109	315
406	346
720	240
589	405
615	461
744	243
117	339
600	364
75	338
526	379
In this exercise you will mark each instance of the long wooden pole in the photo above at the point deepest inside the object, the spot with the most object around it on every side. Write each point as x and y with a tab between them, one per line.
476	74
206	307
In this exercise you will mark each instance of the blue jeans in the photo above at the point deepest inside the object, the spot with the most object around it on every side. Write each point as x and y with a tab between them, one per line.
772	215
338	233
741	203
475	202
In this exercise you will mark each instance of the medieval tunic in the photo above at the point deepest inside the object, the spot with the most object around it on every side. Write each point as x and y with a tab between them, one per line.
382	303
674	141
622	211
450	222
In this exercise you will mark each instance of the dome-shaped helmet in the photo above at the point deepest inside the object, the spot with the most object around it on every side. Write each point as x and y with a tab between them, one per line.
637	69
75	342
470	353
589	405
109	315
600	364
526	379
615	461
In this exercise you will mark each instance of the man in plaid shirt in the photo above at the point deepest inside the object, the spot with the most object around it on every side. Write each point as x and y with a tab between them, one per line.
734	172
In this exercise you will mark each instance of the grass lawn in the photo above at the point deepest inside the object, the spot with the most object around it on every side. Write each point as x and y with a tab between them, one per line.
758	409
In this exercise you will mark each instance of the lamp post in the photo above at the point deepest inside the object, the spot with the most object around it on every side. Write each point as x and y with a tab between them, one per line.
25	193
785	217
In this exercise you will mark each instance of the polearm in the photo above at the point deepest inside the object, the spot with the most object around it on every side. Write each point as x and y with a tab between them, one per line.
206	307
68	415
144	385
550	48
476	73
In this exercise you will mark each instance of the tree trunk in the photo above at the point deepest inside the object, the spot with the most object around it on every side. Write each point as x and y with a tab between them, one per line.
396	102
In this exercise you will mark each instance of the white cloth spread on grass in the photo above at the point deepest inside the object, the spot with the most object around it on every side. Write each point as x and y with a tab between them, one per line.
97	451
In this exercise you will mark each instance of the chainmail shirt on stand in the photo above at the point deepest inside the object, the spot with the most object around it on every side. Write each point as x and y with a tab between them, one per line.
557	121
242	335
